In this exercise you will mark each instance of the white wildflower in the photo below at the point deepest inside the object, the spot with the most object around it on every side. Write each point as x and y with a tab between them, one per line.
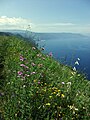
24	86
74	69
77	63
78	58
63	83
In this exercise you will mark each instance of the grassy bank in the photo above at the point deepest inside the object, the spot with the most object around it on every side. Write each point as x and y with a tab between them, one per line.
34	86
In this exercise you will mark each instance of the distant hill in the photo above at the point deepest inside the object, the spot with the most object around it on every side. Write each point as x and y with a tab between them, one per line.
5	34
45	36
63	36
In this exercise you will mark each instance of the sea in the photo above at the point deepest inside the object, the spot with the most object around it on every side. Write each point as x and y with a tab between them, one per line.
67	49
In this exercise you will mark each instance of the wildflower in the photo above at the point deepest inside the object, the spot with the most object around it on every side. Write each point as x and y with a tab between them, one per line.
1	94
50	96
8	83
27	75
63	83
50	54
54	92
22	65
45	83
40	65
33	64
43	58
33	73
33	48
78	58
58	90
62	95
73	73
76	109
48	104
35	81
24	86
74	69
73	107
77	63
20	73
39	55
58	94
42	48
38	82
21	58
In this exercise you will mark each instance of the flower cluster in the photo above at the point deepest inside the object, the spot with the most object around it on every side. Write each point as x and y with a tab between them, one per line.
76	63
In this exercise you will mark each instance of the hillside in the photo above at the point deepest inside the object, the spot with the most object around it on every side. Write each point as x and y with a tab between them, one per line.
34	86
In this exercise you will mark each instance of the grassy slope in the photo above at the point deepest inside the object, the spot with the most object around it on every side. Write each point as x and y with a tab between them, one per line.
34	86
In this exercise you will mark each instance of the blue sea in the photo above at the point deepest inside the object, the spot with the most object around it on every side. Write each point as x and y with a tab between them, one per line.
67	48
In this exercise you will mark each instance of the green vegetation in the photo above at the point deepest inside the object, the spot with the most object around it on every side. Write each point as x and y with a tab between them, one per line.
34	86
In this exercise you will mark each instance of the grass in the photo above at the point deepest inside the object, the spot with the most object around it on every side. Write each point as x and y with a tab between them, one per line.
34	86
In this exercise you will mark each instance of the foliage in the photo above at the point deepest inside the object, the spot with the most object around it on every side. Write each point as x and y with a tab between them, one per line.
34	86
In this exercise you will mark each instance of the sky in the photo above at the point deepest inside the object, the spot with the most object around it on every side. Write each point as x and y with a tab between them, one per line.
46	15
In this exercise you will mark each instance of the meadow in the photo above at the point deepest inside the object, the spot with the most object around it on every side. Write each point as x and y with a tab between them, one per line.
34	86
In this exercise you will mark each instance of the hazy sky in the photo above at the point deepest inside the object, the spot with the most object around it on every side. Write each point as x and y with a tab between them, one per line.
46	15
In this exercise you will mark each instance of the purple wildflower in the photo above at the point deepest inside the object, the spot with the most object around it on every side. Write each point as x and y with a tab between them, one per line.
33	64
50	54
38	82
21	58
22	65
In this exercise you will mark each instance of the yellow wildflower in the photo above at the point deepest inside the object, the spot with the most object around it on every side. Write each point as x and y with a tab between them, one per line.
62	95
50	96
48	104
35	81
